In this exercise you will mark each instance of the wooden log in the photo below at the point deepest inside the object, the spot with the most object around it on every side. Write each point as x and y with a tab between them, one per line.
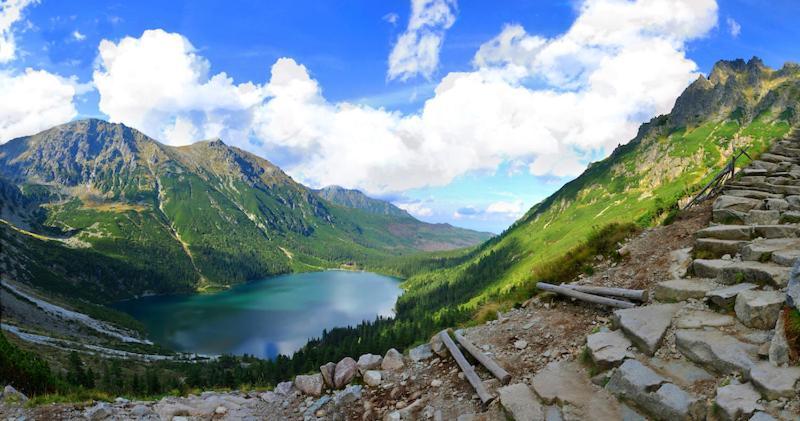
466	368
484	359
632	294
590	298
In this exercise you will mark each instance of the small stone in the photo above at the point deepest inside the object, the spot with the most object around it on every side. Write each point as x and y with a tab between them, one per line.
521	344
372	377
393	360
221	410
98	412
436	383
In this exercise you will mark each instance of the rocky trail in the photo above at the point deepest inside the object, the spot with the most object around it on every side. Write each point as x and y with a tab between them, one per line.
708	344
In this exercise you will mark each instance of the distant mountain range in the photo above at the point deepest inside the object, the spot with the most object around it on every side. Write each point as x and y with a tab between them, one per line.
146	217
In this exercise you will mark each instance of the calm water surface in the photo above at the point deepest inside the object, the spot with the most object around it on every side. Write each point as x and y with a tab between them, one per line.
267	317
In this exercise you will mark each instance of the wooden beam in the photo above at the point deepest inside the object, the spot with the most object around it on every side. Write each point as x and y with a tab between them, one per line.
466	368
484	359
590	298
632	294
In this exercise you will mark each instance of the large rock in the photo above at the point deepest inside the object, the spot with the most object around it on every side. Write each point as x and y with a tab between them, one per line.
776	204
682	289
284	388
520	403
438	346
759	309
309	384
726	297
775	382
13	396
99	412
373	377
393	360
779	346
741	204
344	373
327	372
608	349
635	382
350	394
737	401
646	325
714	349
368	362
420	353
566	384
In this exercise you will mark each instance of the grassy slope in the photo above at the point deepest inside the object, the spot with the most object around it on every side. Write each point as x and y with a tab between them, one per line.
637	183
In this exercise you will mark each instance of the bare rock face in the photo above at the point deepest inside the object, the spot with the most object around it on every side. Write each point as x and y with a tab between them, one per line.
344	372
309	384
393	360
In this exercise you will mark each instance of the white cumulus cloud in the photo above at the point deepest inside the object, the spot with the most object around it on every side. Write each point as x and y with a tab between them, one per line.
159	84
415	208
10	13
545	104
417	49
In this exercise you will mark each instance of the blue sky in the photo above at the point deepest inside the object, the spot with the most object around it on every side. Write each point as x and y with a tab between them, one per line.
347	115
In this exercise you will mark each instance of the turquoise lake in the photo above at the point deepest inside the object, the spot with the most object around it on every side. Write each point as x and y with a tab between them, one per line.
267	317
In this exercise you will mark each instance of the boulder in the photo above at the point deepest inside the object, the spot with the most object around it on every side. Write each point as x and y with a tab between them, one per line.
420	353
140	411
368	362
98	412
519	402
646	325
635	382
726	297
344	372
775	382
284	388
737	401
11	395
759	309
350	394
779	346
372	377
393	360
683	289
608	349
309	384
327	372
712	348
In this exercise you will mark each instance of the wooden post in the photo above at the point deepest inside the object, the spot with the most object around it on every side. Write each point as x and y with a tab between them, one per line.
466	368
632	294
594	299
484	359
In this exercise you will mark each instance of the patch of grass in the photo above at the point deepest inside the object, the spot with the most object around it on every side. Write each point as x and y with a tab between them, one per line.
791	323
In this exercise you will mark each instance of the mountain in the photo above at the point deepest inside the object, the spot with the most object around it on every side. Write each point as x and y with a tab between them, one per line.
740	104
389	218
167	219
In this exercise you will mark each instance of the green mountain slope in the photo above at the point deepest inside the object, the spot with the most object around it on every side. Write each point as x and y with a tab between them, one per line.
741	104
196	217
387	217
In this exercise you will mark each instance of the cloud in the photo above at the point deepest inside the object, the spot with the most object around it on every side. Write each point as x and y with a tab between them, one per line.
10	13
30	100
33	101
513	209
416	208
78	36
158	84
391	18
417	49
548	105
733	27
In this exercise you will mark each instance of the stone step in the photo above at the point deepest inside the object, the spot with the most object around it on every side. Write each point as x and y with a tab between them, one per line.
608	349
726	297
731	272
786	150
759	309
751	171
786	258
683	289
775	382
698	319
640	385
520	403
716	350
737	401
565	383
759	163
746	232
762	249
774	203
737	203
752	194
712	247
762	217
645	326
775	158
789	217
